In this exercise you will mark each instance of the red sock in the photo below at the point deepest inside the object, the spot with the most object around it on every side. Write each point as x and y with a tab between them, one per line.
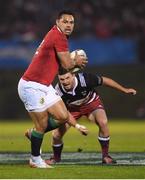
104	142
57	149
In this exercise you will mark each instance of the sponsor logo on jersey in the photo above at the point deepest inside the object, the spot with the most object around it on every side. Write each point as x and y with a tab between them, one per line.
84	93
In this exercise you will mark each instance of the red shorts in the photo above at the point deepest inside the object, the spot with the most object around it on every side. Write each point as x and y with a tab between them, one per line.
86	109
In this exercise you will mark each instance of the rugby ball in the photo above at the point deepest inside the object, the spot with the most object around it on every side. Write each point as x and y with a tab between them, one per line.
79	52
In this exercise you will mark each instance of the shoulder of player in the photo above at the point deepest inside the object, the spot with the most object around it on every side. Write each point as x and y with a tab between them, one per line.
56	33
88	78
54	36
85	75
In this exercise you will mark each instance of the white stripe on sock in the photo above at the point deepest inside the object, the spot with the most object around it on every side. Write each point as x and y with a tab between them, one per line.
103	138
57	145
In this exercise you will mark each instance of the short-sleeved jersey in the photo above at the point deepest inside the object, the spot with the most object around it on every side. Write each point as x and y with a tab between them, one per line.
83	92
45	63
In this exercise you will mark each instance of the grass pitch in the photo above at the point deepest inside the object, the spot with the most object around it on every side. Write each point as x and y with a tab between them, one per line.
127	144
72	172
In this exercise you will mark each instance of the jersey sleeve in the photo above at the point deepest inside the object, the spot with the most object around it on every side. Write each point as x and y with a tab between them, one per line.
61	43
93	80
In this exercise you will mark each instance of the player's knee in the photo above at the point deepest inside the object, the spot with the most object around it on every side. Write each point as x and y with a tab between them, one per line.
41	127
103	124
52	124
56	135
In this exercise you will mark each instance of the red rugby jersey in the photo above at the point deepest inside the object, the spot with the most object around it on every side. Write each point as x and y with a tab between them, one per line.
45	63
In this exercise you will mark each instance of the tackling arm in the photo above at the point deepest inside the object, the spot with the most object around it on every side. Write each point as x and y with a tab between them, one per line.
72	122
111	83
54	124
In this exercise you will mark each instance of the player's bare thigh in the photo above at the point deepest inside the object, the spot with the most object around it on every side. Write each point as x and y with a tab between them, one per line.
40	120
59	111
98	116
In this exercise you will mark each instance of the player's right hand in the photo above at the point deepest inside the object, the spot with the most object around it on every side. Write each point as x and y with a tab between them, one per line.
82	129
80	61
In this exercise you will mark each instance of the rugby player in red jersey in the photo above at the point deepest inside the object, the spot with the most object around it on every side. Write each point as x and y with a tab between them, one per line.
81	98
35	90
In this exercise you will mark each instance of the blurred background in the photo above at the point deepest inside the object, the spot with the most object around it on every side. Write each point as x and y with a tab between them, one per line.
112	32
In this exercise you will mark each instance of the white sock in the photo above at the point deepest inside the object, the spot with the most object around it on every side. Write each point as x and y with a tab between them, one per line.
35	158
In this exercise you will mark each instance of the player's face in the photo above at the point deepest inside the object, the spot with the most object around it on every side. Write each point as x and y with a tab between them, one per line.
67	81
66	24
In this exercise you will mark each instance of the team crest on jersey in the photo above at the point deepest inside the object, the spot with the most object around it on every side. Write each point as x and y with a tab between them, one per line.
41	100
56	93
84	93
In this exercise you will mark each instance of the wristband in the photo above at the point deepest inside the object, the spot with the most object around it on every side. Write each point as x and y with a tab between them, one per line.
77	126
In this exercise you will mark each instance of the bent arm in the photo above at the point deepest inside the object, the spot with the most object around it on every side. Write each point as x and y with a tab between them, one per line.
111	83
65	60
68	63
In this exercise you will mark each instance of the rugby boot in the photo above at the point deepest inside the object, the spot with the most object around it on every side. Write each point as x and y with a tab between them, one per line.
52	160
39	163
108	160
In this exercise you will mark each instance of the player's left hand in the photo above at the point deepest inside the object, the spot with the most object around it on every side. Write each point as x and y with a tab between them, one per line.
81	61
131	91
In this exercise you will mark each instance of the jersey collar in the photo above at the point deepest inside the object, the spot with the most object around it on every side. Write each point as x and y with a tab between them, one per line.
73	90
58	29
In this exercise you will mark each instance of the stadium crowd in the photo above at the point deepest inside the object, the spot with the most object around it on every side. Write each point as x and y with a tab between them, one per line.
30	19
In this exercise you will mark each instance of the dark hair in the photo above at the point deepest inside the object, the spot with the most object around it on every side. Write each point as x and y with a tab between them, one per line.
61	13
63	71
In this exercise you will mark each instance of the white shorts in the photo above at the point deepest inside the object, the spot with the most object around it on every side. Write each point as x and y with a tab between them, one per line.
37	97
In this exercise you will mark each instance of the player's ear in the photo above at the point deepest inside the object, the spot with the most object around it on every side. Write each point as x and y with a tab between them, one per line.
57	22
73	74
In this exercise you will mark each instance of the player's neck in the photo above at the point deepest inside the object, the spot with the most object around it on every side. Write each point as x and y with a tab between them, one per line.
58	29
